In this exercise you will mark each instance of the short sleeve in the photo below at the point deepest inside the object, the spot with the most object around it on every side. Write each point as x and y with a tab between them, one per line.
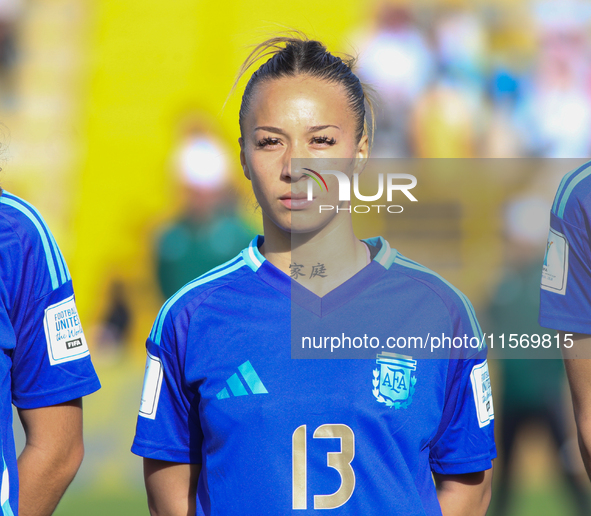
168	422
465	440
50	360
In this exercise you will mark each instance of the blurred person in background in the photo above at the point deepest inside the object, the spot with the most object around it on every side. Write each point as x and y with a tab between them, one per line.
531	391
447	118
461	50
442	125
554	114
209	230
45	366
398	61
113	331
501	138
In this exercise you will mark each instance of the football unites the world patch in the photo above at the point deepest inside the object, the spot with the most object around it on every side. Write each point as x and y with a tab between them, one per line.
392	382
555	268
481	388
63	332
152	385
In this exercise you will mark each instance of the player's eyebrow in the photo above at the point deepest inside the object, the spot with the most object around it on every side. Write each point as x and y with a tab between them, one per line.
311	129
315	128
270	129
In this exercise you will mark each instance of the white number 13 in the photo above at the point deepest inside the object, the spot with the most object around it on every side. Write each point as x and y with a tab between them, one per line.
341	461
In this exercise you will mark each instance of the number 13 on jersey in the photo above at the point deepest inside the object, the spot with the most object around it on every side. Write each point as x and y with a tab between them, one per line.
341	461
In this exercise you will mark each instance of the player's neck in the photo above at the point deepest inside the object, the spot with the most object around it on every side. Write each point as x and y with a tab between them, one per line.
319	261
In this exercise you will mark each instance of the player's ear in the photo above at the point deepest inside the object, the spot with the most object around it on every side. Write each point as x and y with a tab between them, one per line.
243	158
362	154
363	147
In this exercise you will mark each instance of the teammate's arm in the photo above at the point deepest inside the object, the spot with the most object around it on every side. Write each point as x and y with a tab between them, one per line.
464	495
51	456
171	487
577	362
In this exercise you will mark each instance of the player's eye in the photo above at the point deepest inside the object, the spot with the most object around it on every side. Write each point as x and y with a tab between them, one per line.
323	140
268	142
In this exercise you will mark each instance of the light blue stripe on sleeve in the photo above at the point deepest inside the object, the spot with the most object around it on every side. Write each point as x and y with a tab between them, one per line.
64	274
561	188
569	189
165	307
467	305
183	291
252	378
46	245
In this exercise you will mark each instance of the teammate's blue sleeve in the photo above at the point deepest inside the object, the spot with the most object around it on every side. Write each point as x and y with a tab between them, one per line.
50	359
168	425
565	294
47	370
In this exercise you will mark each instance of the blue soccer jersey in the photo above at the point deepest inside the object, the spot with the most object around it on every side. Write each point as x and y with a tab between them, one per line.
276	434
44	358
565	300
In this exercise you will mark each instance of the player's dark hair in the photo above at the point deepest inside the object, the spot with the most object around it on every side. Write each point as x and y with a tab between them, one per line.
297	55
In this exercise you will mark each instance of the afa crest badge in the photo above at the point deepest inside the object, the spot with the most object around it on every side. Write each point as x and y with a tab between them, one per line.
393	384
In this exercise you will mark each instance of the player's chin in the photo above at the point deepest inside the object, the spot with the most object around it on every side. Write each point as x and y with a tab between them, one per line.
299	222
308	221
291	220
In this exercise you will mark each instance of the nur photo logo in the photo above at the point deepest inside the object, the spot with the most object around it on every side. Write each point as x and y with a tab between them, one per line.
388	183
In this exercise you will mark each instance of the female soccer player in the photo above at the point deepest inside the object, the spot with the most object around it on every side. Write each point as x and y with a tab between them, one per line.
229	423
45	366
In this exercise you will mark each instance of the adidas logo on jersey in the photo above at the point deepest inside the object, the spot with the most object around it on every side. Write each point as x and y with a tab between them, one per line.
236	385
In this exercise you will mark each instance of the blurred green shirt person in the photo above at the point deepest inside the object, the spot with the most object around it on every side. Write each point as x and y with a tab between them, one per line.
208	231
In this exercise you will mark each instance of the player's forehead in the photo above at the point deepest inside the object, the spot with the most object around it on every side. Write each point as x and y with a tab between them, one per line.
301	100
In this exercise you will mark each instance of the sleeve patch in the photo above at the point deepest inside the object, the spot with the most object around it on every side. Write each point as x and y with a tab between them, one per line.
152	385
63	332
555	269
482	394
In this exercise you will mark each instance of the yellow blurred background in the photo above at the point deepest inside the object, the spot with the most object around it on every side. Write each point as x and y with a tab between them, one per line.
104	87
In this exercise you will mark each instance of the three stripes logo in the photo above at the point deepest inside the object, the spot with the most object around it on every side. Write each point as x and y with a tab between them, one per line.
236	386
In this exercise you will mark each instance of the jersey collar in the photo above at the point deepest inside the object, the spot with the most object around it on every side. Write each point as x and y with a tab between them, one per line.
383	258
252	256
385	255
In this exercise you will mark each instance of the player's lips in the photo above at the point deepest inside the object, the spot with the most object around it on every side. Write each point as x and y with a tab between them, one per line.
296	201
